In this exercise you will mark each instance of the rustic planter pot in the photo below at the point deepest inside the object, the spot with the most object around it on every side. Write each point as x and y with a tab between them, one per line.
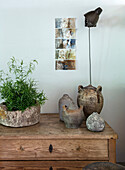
90	98
28	117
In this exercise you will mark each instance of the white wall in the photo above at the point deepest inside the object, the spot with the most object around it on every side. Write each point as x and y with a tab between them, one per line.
27	32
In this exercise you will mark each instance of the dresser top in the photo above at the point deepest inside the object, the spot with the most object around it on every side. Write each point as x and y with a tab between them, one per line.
51	128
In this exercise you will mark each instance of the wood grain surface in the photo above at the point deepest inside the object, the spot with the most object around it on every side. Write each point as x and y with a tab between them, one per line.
43	165
112	150
51	128
27	148
62	150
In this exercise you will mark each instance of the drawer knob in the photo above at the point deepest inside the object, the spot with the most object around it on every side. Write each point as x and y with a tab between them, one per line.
51	168
50	148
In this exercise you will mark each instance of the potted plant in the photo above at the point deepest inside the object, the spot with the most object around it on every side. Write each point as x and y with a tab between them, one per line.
22	100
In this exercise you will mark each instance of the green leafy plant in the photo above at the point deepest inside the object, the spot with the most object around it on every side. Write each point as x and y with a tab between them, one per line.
17	89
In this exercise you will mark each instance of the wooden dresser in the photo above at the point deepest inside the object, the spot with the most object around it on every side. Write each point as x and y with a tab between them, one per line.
50	146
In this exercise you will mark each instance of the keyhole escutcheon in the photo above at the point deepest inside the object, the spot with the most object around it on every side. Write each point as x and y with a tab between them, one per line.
50	148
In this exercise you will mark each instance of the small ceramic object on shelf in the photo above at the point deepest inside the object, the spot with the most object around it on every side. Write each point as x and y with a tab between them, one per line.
90	98
73	118
95	123
66	100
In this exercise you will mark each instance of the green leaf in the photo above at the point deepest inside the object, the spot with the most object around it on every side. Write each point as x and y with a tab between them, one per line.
17	89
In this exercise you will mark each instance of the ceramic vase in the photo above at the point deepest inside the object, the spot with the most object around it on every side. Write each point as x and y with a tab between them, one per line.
90	98
67	101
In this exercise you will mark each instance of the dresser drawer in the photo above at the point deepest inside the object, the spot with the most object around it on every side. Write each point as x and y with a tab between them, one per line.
53	149
43	165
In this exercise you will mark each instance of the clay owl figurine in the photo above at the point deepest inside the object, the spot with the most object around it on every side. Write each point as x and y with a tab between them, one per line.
91	18
90	98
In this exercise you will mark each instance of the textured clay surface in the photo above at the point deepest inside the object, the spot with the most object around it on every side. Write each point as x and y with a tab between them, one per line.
28	117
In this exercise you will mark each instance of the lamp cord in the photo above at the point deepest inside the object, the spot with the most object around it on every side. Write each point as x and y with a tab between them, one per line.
90	75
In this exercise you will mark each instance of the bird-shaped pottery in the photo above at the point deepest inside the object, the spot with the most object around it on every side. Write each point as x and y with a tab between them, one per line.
73	118
91	18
